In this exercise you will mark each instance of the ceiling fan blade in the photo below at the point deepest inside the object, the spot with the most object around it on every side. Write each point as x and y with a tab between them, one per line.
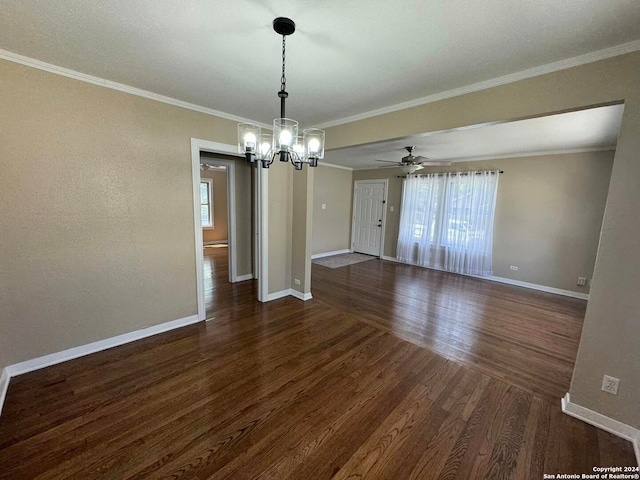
387	161
420	158
435	163
391	166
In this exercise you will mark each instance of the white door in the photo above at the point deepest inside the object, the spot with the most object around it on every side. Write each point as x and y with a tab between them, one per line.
368	216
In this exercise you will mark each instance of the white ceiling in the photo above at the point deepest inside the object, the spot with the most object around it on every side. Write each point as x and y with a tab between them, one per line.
592	129
346	57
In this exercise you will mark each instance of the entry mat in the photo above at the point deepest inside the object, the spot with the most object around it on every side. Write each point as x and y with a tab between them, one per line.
337	261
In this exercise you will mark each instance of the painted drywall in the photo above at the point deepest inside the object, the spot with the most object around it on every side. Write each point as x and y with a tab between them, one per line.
244	216
548	214
280	226
113	191
333	187
219	186
301	225
611	332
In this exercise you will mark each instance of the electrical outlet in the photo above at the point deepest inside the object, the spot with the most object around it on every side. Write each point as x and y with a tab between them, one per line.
324	206
391	209
610	384
513	267
582	281
297	281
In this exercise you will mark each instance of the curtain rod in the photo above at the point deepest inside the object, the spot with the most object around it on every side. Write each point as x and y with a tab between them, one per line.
448	173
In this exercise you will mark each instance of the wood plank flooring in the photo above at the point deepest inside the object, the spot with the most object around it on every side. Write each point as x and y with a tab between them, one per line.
220	296
524	337
298	390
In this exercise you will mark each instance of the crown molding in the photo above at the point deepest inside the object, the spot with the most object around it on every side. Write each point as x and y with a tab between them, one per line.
512	77
83	77
324	164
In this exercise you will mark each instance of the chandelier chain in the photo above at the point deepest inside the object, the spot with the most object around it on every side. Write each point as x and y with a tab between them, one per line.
283	79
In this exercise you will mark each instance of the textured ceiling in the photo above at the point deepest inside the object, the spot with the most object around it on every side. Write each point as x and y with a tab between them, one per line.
346	57
592	129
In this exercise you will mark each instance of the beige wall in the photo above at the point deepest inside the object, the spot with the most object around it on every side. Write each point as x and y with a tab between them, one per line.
244	216
548	214
114	171
219	231
333	187
280	226
290	215
301	227
611	332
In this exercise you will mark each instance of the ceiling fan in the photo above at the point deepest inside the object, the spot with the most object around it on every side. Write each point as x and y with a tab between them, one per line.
412	163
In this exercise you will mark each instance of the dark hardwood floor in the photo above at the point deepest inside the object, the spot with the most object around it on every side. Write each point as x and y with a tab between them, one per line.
524	337
220	296
321	389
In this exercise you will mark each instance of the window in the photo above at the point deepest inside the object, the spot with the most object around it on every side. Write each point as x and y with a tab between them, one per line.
447	221
206	202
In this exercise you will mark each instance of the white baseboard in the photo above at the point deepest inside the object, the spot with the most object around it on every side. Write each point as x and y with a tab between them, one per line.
4	385
217	242
330	254
76	352
286	292
603	422
277	295
508	281
300	295
535	286
242	278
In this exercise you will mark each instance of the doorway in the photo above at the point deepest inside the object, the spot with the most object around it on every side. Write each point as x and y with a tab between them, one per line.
369	216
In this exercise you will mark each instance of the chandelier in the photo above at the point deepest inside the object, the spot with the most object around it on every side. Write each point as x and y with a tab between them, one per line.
285	142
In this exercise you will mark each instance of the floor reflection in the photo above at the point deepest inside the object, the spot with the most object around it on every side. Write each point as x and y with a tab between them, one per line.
528	337
221	296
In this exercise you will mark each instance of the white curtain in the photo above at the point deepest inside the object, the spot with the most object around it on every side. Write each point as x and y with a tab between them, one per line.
446	221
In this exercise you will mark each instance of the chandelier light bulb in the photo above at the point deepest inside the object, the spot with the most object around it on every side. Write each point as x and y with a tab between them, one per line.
250	140
314	146
285	137
298	147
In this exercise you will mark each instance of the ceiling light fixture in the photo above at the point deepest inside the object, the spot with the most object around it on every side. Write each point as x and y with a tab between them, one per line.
409	169
285	142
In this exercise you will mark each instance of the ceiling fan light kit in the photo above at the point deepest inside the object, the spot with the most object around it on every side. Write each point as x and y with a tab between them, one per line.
409	169
285	141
